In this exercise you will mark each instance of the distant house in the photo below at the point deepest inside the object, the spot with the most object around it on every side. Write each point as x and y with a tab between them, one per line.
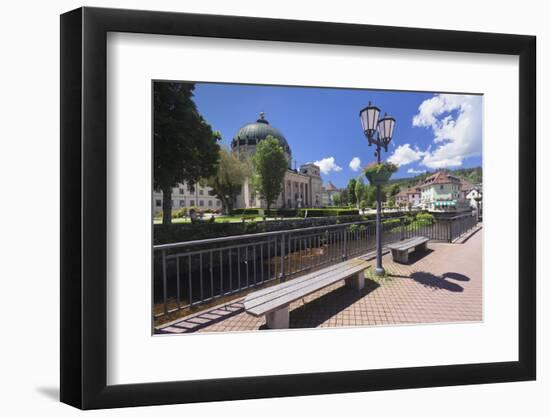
475	197
327	192
409	197
465	188
443	192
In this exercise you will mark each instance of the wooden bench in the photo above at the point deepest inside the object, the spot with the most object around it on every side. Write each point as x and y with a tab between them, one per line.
400	250
273	302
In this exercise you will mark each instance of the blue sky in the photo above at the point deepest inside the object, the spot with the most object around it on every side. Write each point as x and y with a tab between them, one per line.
322	125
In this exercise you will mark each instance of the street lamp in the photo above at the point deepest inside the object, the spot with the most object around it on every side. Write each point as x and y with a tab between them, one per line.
378	132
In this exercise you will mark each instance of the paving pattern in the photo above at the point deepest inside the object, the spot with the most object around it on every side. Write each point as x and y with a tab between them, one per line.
442	285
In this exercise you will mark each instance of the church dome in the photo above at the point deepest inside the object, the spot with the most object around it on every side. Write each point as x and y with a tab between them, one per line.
253	133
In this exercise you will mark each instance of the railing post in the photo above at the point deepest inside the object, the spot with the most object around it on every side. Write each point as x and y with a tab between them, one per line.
282	272
450	222
345	248
164	286
402	226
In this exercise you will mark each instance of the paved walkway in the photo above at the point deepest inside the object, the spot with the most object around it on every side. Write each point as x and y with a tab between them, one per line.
443	285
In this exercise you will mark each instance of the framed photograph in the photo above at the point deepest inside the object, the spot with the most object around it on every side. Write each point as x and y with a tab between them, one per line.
258	208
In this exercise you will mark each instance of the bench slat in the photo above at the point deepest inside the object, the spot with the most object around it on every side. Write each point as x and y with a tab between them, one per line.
274	301
280	290
408	243
296	281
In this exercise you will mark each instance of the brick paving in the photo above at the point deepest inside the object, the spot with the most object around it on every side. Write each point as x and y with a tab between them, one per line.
443	285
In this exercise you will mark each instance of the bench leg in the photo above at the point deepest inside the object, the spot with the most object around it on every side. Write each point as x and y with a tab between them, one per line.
278	319
401	256
356	281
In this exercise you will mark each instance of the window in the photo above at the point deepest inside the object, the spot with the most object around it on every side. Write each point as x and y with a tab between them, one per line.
158	203
201	192
201	203
181	190
191	202
441	187
209	203
182	203
218	203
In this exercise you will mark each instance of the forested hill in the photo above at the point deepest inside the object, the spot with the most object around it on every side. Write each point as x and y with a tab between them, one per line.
472	175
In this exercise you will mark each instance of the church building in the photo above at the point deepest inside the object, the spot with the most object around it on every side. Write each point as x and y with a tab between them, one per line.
301	187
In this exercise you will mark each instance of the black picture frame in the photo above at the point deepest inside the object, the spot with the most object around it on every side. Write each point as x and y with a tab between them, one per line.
84	207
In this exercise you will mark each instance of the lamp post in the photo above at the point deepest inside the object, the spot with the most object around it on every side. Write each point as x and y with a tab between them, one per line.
378	132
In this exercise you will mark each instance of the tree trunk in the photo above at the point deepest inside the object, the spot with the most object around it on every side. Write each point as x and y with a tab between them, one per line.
167	205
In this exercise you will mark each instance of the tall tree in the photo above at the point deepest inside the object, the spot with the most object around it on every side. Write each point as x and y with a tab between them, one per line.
185	147
227	183
352	199
270	166
370	195
337	199
394	190
359	190
344	197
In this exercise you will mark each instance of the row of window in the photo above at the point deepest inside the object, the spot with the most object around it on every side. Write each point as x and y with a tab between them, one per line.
158	203
182	191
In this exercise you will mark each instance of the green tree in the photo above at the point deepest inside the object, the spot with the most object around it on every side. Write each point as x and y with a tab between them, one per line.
185	147
227	183
344	197
337	199
394	190
270	166
370	195
359	190
352	199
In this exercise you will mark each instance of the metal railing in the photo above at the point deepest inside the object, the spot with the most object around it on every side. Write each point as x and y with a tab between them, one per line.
188	274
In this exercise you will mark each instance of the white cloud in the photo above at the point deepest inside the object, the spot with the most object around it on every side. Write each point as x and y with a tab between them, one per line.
416	171
404	155
455	121
327	165
355	163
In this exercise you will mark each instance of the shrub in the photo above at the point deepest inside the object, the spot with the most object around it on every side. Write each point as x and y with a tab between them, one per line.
251	227
180	213
425	217
354	227
409	218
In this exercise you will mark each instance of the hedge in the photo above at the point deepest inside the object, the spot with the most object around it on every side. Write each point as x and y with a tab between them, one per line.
247	211
282	212
315	212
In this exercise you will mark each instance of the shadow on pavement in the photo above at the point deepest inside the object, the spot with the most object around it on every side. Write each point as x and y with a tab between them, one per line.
430	280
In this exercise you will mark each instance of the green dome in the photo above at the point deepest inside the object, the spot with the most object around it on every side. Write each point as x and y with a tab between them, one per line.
253	133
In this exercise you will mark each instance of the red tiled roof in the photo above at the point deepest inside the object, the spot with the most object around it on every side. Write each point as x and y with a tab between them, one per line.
440	178
330	187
